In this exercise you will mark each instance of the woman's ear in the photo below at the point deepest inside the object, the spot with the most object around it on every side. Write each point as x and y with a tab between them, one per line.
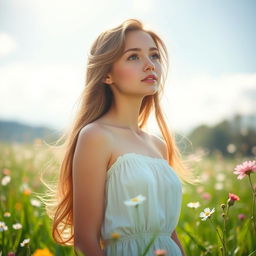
107	80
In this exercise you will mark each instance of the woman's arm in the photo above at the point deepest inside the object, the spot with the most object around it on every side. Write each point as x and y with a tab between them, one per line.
90	161
90	248
174	236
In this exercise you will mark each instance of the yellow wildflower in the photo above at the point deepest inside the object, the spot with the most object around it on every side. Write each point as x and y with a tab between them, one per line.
27	191
115	235
42	252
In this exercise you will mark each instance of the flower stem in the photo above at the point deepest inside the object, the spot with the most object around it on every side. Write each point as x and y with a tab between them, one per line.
225	230
227	210
253	204
224	247
29	252
3	242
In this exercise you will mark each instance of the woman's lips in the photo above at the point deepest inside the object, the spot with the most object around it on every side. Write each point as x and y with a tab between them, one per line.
150	81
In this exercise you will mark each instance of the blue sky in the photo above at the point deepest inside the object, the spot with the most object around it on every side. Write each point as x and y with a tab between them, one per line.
211	44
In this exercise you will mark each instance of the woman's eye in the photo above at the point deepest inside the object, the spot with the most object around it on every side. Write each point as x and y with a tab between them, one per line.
155	55
132	56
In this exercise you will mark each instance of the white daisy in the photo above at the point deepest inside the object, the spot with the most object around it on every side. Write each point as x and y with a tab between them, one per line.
7	214
17	226
24	186
3	227
135	200
35	202
218	186
25	241
206	213
5	180
193	204
220	177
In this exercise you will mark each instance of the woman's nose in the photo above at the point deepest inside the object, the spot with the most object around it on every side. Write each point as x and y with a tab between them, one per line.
149	65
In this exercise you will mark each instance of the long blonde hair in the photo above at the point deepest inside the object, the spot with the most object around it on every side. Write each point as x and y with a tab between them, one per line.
95	100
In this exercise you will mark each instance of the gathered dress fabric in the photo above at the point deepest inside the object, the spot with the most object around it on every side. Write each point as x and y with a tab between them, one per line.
156	217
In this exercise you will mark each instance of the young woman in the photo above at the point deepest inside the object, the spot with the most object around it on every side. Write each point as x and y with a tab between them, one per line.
110	159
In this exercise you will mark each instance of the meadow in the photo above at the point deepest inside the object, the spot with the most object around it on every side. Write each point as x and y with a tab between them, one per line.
25	229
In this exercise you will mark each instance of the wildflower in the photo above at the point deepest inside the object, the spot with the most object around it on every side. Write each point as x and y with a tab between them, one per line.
11	254
35	202
206	196
232	198
17	226
25	241
6	171
135	201
3	227
24	188
220	177
27	191
193	205
42	252
206	213
7	214
241	216
231	148
115	235
5	180
160	252
218	186
246	168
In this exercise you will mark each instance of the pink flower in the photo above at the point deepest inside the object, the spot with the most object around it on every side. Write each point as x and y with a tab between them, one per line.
232	198
160	252
246	168
206	196
241	216
11	254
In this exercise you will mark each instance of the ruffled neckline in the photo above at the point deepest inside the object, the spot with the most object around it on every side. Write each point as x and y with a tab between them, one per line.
133	155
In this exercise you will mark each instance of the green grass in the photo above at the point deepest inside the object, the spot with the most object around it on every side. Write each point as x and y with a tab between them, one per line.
26	162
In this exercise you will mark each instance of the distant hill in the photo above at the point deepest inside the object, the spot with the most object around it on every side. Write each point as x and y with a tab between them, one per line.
230	136
12	131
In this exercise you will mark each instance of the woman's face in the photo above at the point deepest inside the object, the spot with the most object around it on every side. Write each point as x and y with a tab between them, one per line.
134	65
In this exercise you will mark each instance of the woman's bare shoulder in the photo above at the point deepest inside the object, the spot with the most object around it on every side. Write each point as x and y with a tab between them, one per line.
160	144
96	130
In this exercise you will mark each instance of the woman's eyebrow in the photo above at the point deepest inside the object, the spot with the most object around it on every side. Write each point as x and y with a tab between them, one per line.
139	49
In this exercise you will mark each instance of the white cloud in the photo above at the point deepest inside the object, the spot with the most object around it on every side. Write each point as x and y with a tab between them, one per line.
39	94
202	98
7	44
60	17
